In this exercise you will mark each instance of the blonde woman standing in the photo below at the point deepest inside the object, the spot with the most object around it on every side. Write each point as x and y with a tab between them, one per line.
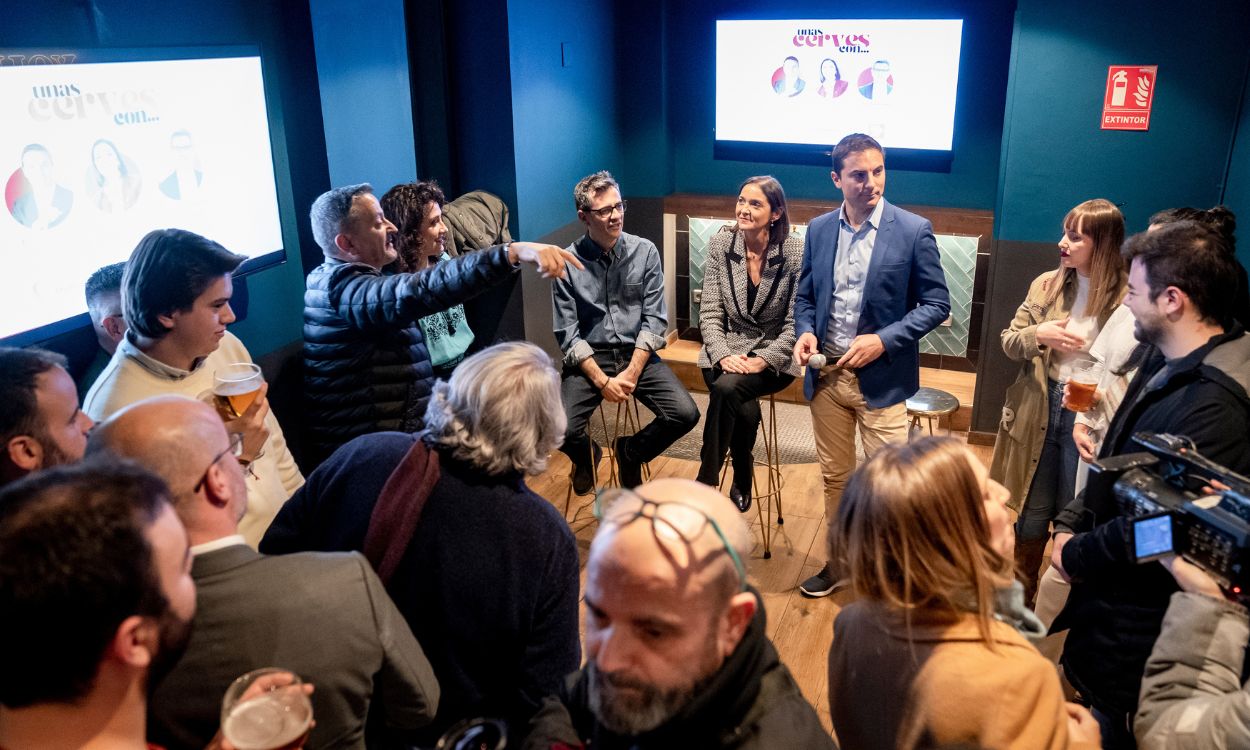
936	650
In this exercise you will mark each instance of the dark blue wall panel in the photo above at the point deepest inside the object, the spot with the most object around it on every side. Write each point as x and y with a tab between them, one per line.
366	104
564	104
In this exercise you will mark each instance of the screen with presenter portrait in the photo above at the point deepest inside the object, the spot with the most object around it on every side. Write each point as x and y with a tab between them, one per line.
99	147
787	90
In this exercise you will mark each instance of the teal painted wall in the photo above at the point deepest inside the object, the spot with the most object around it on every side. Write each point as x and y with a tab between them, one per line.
1237	189
564	105
1054	153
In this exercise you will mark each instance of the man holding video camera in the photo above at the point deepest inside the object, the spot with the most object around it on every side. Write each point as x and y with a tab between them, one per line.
1193	382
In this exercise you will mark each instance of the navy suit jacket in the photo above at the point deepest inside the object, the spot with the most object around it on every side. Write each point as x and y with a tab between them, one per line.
904	298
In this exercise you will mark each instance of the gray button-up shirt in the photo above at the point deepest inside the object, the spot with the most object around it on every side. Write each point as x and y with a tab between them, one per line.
618	301
850	271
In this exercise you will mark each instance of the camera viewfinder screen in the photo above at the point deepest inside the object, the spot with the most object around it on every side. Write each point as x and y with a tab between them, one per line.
1152	537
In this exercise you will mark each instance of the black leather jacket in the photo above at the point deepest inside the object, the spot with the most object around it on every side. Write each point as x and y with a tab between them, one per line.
366	367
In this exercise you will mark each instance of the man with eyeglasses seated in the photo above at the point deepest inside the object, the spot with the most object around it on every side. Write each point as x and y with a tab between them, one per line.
324	616
677	654
609	321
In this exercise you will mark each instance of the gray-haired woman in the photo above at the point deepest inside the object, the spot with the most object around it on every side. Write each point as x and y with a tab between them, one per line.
487	574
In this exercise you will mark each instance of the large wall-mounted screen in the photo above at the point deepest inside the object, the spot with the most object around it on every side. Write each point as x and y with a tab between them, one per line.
798	86
100	147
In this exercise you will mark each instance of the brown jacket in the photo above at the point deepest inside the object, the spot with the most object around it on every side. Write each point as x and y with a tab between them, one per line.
940	686
1022	429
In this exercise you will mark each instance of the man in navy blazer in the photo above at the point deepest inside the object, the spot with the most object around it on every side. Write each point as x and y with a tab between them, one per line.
870	287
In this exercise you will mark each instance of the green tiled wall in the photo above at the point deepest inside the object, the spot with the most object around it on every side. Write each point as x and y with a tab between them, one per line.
959	261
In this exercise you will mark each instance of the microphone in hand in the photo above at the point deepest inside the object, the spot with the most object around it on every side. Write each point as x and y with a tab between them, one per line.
816	361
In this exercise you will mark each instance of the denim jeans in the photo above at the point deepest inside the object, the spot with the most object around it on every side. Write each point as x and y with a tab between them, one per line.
1054	480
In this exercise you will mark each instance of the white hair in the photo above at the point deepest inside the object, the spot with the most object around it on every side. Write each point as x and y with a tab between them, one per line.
501	410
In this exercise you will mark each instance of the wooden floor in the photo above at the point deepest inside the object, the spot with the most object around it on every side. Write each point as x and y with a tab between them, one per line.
800	628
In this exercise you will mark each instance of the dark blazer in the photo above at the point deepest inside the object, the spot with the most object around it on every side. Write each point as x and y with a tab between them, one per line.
728	326
323	616
904	298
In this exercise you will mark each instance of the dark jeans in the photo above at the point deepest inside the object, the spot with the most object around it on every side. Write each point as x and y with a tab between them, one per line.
658	389
733	415
1054	481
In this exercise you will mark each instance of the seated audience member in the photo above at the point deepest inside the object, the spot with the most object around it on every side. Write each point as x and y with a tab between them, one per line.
177	290
936	650
40	422
1192	382
609	323
747	321
485	571
677	654
324	616
1192	695
97	601
366	363
104	305
416	210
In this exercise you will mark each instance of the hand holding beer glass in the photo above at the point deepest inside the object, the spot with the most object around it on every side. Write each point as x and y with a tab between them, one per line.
1081	392
266	709
239	397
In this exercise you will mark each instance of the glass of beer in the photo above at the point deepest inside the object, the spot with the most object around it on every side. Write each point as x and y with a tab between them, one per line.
235	388
1083	376
475	734
266	709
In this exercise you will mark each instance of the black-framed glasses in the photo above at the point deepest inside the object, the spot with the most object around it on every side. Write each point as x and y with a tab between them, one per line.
235	448
622	507
607	211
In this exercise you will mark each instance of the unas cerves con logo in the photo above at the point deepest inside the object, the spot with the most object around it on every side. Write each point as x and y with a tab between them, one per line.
840	42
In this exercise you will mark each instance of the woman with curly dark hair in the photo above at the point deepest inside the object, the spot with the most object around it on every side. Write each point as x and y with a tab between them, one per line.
416	210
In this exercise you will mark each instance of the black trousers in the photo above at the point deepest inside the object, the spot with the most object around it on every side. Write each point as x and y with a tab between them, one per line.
733	416
658	389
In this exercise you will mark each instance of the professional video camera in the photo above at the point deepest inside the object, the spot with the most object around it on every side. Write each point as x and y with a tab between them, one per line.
1161	492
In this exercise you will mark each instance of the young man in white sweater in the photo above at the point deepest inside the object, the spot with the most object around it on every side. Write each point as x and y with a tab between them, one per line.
176	294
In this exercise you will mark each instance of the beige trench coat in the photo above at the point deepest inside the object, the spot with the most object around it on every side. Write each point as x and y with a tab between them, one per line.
1022	428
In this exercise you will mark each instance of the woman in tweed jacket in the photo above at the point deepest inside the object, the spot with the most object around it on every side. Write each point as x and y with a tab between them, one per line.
747	321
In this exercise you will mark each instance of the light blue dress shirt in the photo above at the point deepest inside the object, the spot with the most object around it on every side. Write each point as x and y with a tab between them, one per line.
850	271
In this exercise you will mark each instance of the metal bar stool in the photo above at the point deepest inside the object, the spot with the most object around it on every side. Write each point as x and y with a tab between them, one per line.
929	404
627	421
770	497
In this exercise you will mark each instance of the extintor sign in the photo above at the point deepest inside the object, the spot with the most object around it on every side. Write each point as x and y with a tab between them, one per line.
1130	95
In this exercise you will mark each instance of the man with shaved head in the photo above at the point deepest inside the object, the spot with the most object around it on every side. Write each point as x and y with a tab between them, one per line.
675	643
324	616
